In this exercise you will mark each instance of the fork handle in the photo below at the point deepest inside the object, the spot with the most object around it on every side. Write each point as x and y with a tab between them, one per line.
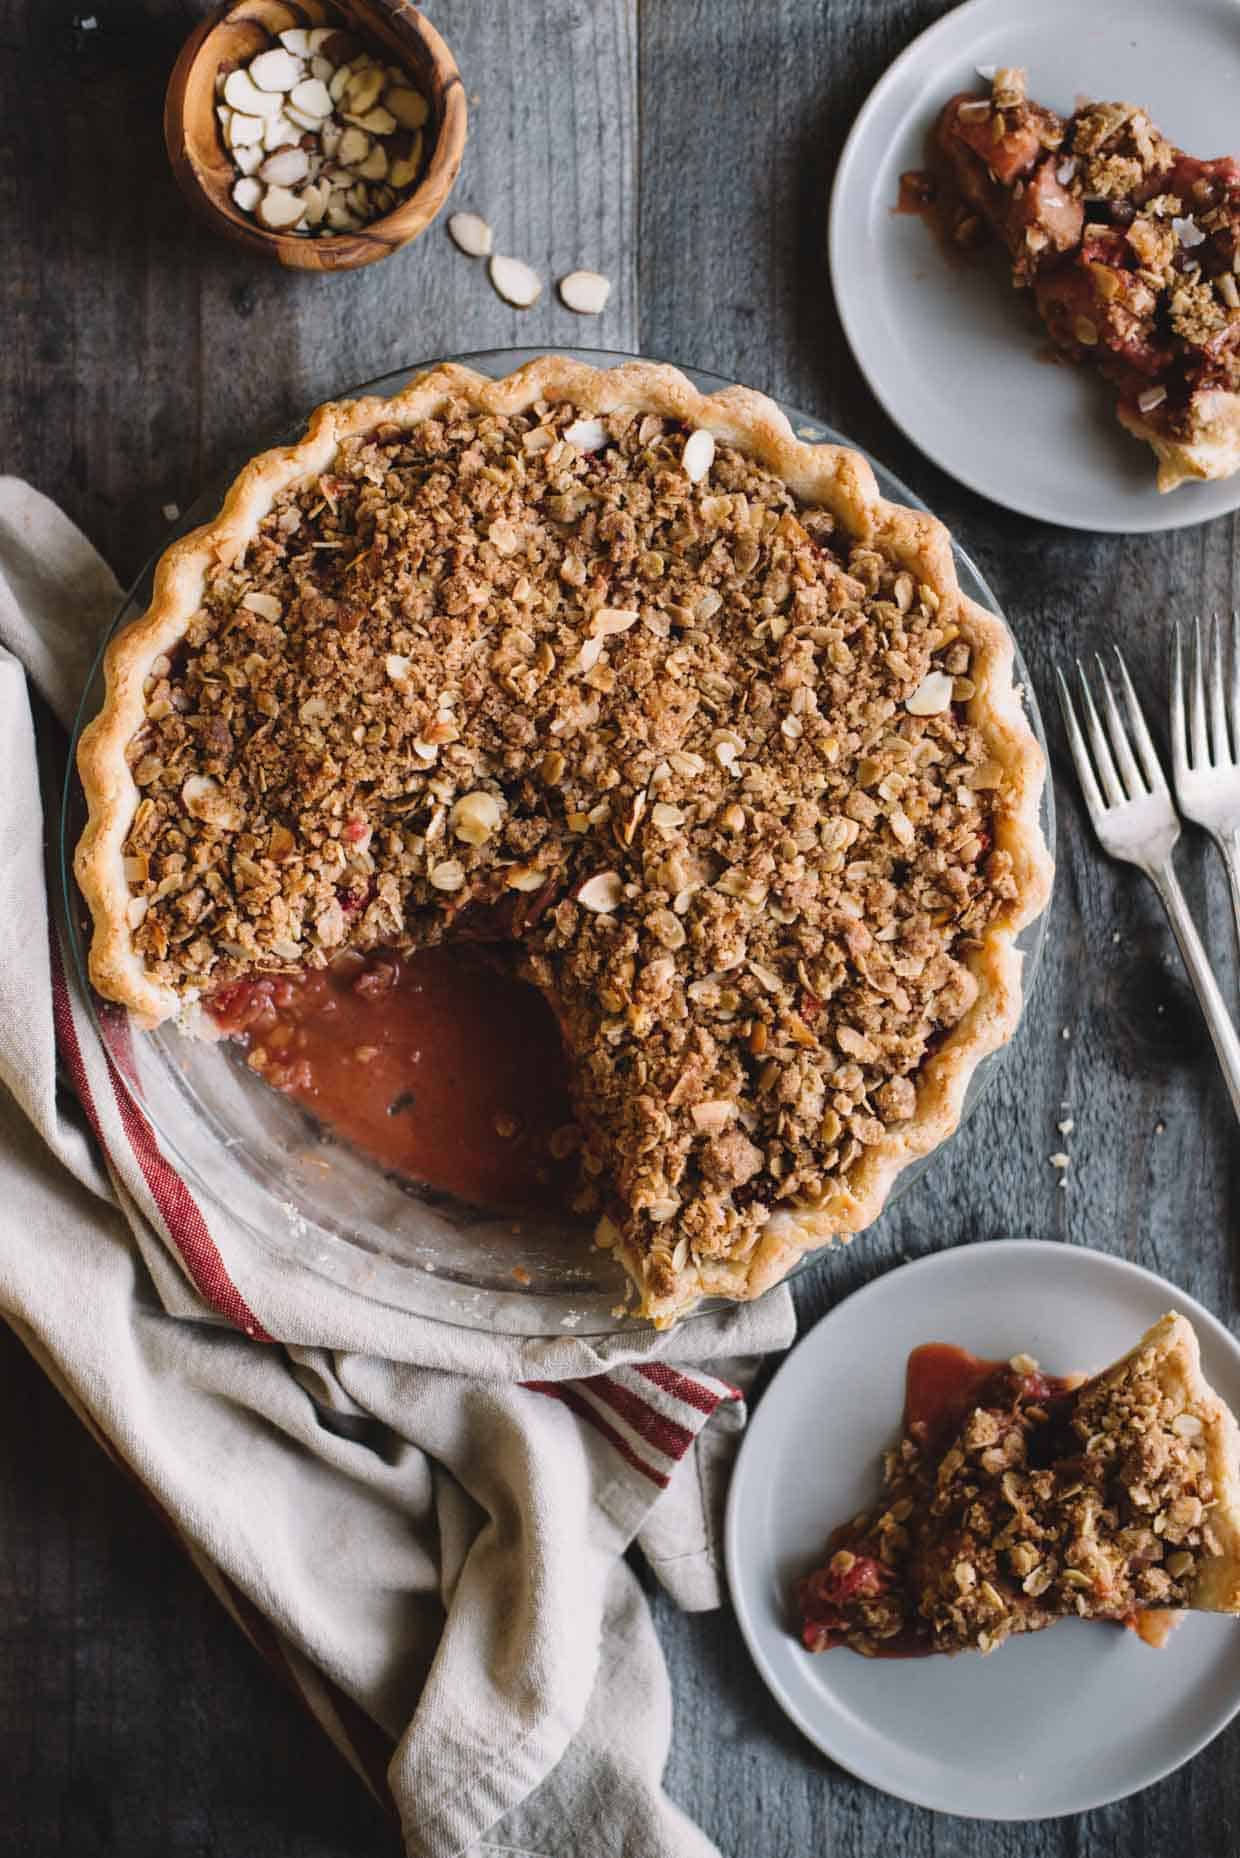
1218	1019
1229	844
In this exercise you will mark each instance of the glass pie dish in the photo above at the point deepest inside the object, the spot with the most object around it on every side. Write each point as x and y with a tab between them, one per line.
297	1191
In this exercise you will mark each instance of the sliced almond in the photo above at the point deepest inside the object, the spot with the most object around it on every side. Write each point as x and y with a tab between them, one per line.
286	168
339	217
354	147
932	696
329	138
405	168
359	198
471	235
698	455
375	122
300	123
586	292
242	93
409	107
312	97
319	36
601	893
322	68
363	89
475	817
265	605
515	281
336	85
296	40
279	210
375	166
612	619
279	132
586	435
314	199
244	131
248	159
247	193
275	70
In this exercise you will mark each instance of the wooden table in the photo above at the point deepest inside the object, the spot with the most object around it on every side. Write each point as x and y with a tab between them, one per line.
685	148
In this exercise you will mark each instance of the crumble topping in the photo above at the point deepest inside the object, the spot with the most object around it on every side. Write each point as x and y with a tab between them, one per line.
1047	1503
598	686
1130	245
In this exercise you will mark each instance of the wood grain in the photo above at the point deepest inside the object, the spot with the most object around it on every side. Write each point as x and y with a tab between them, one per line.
141	356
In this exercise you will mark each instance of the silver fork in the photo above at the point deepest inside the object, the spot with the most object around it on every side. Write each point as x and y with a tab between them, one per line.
1130	807
1205	754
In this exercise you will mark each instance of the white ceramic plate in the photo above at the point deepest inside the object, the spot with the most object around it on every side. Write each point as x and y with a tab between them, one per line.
947	350
1058	1722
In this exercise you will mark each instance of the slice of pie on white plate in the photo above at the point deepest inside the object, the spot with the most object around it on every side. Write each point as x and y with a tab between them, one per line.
1129	246
630	679
1015	1499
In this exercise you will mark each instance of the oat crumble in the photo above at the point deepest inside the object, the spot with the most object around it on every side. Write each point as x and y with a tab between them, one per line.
539	677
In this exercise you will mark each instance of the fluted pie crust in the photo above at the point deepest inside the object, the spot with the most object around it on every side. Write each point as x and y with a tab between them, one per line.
720	597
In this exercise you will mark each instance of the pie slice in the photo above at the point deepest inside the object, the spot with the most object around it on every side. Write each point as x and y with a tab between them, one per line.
634	682
1130	247
1015	1499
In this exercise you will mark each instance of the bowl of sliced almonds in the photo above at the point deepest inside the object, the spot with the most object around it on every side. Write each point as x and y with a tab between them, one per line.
325	136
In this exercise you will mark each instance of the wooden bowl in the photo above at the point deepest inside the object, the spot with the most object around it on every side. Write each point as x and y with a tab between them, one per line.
204	169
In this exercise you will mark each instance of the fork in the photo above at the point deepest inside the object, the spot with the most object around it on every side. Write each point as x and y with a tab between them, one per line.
1205	764
1131	811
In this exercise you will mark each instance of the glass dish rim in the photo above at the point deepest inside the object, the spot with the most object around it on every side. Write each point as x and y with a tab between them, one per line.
515	1300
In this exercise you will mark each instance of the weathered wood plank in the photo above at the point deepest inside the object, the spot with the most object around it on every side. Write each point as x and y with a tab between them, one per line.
744	111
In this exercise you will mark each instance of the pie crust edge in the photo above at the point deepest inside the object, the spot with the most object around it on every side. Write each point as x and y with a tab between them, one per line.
832	477
1177	1368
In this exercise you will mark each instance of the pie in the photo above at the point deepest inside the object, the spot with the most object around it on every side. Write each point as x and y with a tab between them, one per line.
634	683
1015	1499
1130	247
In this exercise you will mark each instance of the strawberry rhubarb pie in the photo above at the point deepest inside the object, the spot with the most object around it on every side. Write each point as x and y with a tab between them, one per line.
1129	247
1015	1499
635	692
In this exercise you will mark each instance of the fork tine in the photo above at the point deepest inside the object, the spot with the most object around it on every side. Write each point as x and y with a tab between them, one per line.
1199	750
1080	754
1121	747
1179	741
1141	735
1218	707
1099	750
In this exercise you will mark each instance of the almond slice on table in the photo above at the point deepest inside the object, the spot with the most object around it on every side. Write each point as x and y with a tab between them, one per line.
586	292
516	282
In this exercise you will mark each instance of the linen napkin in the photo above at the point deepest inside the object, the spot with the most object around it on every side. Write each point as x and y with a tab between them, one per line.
423	1527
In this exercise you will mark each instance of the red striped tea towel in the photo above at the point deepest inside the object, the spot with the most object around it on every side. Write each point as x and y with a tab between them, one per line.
423	1527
